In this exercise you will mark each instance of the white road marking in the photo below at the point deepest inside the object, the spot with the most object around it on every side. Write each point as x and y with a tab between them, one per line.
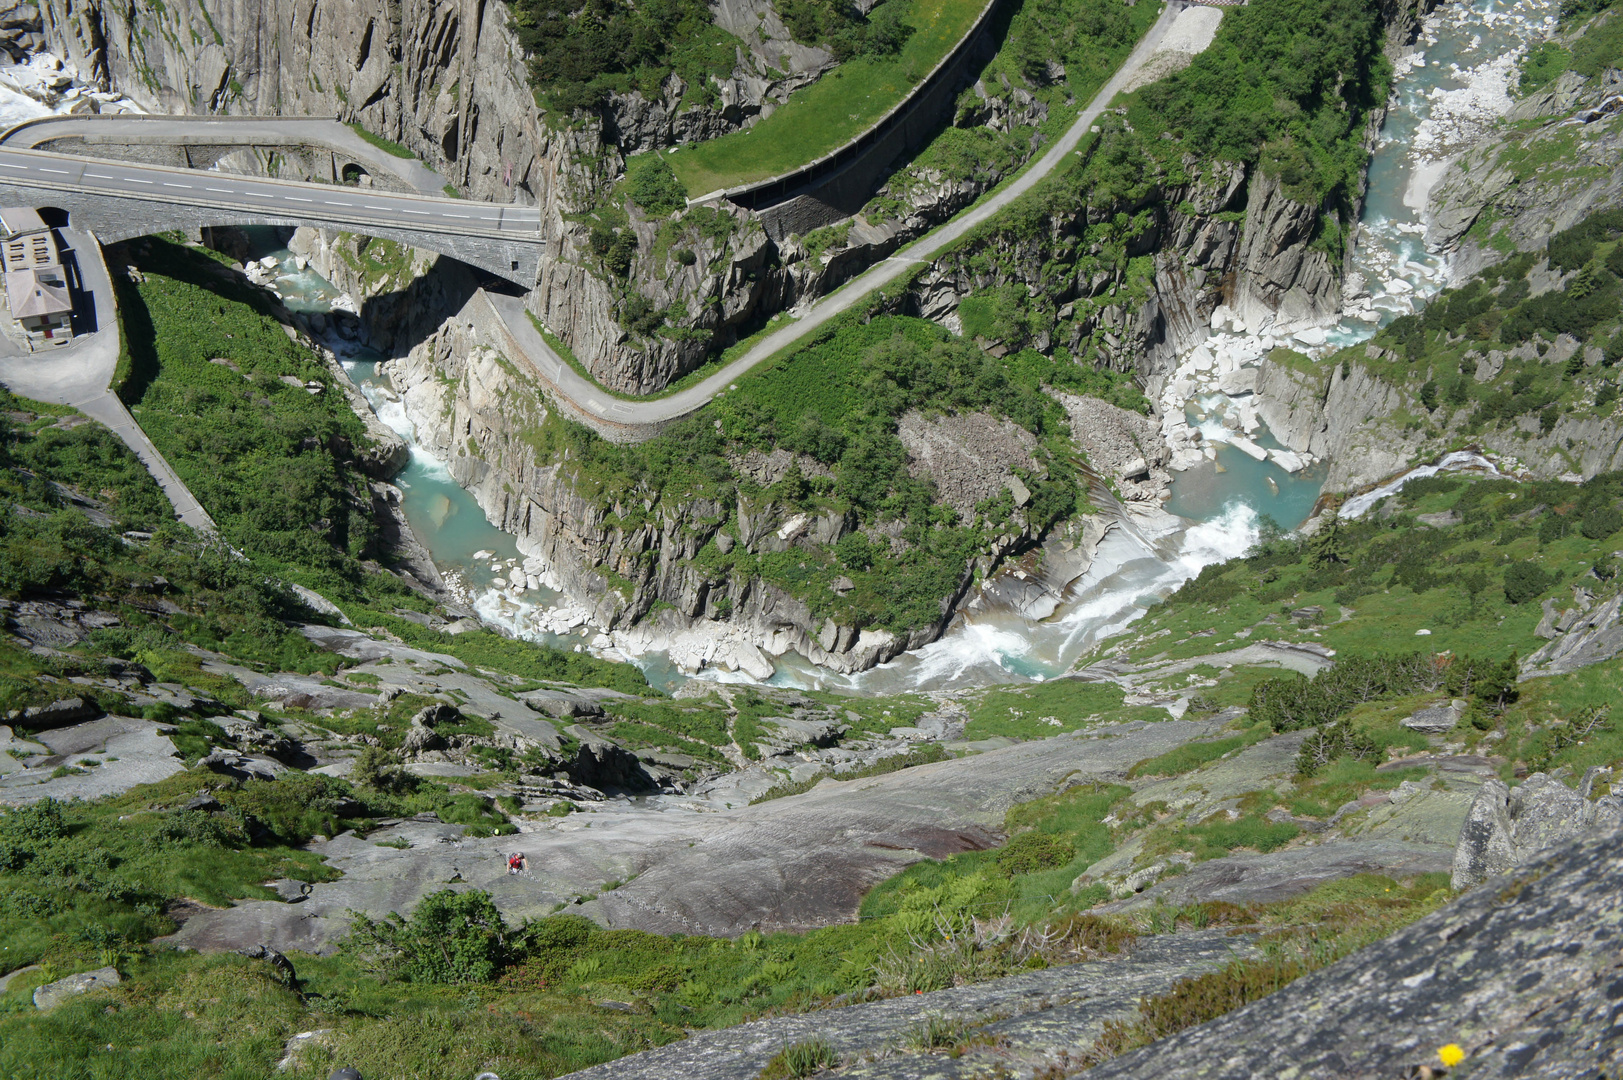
295	198
188	187
259	195
59	172
464	217
24	168
98	176
220	190
136	180
329	202
369	206
403	210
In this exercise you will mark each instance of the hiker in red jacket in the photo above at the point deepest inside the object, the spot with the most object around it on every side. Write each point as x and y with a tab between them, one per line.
515	863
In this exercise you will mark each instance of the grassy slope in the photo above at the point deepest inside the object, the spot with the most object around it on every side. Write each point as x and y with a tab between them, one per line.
274	464
820	118
1392	577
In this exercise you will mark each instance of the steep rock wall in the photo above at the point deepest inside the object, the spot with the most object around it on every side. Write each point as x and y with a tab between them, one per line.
1510	193
1369	429
482	413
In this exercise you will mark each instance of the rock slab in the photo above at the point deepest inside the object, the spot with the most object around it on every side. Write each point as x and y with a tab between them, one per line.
55	993
1523	974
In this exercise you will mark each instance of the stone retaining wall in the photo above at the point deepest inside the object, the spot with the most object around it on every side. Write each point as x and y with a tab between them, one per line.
838	185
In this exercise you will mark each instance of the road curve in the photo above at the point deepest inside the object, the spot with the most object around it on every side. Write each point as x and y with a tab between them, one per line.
143	128
625	420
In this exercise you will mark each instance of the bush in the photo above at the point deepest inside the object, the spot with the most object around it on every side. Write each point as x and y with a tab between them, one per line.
653	186
1033	852
451	938
25	832
1330	742
1293	704
1526	581
1601	522
800	1060
1285	82
580	53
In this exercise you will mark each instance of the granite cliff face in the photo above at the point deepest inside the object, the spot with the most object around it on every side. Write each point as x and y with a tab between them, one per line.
1369	428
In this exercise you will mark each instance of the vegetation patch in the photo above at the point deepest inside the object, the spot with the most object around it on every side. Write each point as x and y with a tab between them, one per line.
835	406
894	47
1051	708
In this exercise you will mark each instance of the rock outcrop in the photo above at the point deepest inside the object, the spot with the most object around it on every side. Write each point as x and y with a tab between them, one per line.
1522	977
969	457
1508	827
1120	444
1510	193
1586	633
55	993
1360	423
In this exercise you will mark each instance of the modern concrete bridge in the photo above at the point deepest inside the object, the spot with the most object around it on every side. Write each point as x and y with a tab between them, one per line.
121	199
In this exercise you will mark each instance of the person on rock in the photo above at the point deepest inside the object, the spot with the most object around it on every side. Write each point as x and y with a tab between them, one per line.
515	863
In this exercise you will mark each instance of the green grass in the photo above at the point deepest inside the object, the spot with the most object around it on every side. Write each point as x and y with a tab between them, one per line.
84	457
1193	755
1307	933
388	146
1051	708
178	1016
822	117
1393	576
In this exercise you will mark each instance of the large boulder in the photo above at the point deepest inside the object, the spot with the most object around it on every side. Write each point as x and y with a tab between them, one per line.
1507	828
606	766
57	714
1438	719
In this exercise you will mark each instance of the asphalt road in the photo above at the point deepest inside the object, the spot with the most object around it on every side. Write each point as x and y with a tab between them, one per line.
79	374
137	128
621	417
361	208
322	203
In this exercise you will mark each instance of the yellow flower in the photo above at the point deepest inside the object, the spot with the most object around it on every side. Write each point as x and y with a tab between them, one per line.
1451	1055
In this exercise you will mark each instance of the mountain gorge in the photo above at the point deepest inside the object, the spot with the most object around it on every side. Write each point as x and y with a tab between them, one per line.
1168	625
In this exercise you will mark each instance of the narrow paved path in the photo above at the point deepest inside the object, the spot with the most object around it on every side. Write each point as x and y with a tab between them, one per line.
135	128
631	421
80	375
